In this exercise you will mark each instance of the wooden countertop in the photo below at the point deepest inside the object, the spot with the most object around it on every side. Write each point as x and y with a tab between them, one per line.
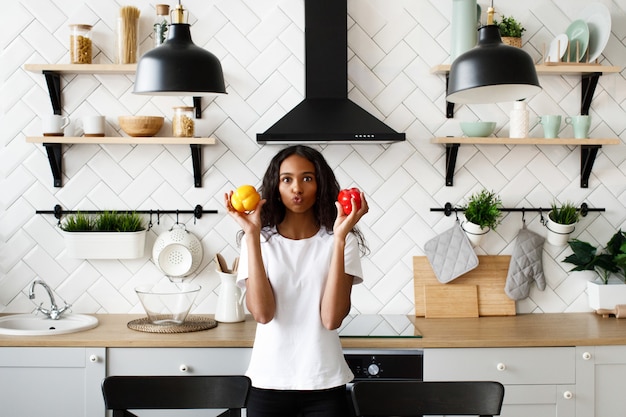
527	330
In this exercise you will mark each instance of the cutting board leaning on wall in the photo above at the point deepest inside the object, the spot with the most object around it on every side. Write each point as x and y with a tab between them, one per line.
479	292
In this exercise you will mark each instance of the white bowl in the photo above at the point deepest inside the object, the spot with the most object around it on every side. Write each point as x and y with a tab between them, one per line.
177	253
168	303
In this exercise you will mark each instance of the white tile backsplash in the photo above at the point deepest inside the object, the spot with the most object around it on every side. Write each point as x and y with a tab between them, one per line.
392	47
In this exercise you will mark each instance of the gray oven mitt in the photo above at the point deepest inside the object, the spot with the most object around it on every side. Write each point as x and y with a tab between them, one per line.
451	254
526	265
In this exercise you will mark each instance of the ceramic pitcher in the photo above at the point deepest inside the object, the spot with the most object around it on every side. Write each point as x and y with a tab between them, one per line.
230	301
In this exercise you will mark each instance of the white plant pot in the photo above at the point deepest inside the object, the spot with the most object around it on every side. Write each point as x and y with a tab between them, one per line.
105	245
606	296
558	234
474	232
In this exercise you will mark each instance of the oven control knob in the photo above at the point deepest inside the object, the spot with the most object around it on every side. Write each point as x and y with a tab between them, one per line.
373	369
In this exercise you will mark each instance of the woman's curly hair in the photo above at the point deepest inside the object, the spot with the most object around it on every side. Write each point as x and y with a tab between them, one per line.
325	211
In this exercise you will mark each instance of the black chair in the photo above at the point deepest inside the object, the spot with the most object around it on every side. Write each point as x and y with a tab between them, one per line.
417	398
123	393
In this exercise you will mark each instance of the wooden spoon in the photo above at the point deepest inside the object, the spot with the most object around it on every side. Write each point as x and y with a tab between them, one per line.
221	263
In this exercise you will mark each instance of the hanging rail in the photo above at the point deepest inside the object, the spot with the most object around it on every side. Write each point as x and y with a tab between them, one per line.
197	212
448	209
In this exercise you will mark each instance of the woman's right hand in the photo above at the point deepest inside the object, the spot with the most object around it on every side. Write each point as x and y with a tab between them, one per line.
250	222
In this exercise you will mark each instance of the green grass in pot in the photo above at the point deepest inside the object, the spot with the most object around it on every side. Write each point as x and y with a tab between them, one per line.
483	209
568	213
79	222
111	221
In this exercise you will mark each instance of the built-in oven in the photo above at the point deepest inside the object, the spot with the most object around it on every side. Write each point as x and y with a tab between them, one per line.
382	364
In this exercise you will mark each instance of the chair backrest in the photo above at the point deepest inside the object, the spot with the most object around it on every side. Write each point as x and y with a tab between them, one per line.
417	398
122	393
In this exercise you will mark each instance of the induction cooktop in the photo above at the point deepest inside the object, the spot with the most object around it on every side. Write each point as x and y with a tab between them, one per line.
378	325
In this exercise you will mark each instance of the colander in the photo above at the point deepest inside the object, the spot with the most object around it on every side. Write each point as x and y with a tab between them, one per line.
177	253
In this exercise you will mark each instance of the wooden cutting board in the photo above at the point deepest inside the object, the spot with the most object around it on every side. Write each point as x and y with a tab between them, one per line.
489	277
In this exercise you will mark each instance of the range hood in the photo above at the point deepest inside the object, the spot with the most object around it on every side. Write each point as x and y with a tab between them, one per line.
326	115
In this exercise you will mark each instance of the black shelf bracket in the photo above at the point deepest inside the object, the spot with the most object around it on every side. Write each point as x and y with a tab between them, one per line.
53	80
588	85
452	150
587	158
55	157
449	105
196	159
197	105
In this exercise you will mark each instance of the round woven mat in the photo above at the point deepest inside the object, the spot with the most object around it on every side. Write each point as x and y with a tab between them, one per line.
191	324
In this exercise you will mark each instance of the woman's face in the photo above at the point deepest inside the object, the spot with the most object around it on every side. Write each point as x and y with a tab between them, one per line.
297	184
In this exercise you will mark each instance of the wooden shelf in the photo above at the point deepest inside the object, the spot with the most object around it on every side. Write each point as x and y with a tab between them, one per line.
83	68
556	69
589	73
54	144
122	140
588	150
525	141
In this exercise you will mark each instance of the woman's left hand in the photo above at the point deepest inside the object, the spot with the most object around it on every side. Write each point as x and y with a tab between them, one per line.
344	223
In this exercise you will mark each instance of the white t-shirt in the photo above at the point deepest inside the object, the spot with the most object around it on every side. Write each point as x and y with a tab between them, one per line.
294	351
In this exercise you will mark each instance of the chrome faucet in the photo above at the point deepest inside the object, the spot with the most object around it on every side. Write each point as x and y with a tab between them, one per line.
54	312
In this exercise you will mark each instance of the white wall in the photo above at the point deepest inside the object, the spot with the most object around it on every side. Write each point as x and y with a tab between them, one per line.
393	44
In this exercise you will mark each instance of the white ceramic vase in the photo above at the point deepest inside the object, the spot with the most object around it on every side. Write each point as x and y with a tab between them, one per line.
105	245
606	296
474	232
558	234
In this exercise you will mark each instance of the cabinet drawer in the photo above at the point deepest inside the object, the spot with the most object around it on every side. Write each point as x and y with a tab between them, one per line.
506	365
178	361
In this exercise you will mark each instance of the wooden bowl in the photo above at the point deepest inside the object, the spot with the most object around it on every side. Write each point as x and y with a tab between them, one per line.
141	125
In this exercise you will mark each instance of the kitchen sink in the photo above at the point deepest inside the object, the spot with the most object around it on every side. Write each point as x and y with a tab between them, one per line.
38	325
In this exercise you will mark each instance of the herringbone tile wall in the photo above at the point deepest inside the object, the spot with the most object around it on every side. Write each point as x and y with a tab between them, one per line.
392	46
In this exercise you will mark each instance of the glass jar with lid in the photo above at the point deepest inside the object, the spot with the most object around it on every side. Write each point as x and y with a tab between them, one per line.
80	44
182	123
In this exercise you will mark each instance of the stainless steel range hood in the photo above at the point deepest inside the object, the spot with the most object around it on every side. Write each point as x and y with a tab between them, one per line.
326	115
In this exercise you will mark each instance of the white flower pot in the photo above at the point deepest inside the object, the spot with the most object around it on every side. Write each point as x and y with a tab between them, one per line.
606	296
558	234
105	245
474	232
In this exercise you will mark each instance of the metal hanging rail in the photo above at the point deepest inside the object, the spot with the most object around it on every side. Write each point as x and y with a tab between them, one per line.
448	209
197	212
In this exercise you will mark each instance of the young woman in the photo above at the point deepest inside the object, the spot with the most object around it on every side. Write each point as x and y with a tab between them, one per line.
300	256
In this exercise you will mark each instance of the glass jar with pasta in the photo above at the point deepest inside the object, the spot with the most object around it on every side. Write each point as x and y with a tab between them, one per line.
80	44
182	123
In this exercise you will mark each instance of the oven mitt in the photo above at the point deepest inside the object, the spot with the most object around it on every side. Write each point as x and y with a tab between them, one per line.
526	265
451	254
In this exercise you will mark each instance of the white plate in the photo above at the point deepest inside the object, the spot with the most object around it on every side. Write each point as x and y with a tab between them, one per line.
558	47
598	19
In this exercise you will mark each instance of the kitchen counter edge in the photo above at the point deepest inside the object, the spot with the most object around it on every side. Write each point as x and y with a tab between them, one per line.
526	330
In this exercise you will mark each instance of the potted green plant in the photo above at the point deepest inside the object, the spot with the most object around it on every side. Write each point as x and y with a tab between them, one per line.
608	289
510	31
561	222
482	213
108	235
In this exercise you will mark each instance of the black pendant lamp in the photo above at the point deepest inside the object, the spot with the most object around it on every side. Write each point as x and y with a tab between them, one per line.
492	72
179	67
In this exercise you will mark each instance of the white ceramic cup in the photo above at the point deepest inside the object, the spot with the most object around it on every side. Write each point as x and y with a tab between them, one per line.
93	125
581	125
54	124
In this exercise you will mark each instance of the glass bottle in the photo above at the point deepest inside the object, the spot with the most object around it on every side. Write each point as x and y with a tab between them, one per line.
518	125
182	123
161	23
80	44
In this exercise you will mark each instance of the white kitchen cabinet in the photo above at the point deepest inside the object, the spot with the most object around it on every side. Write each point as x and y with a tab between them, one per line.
178	361
51	382
539	382
600	372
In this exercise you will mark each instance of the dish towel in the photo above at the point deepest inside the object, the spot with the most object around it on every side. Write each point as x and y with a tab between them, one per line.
451	254
526	265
